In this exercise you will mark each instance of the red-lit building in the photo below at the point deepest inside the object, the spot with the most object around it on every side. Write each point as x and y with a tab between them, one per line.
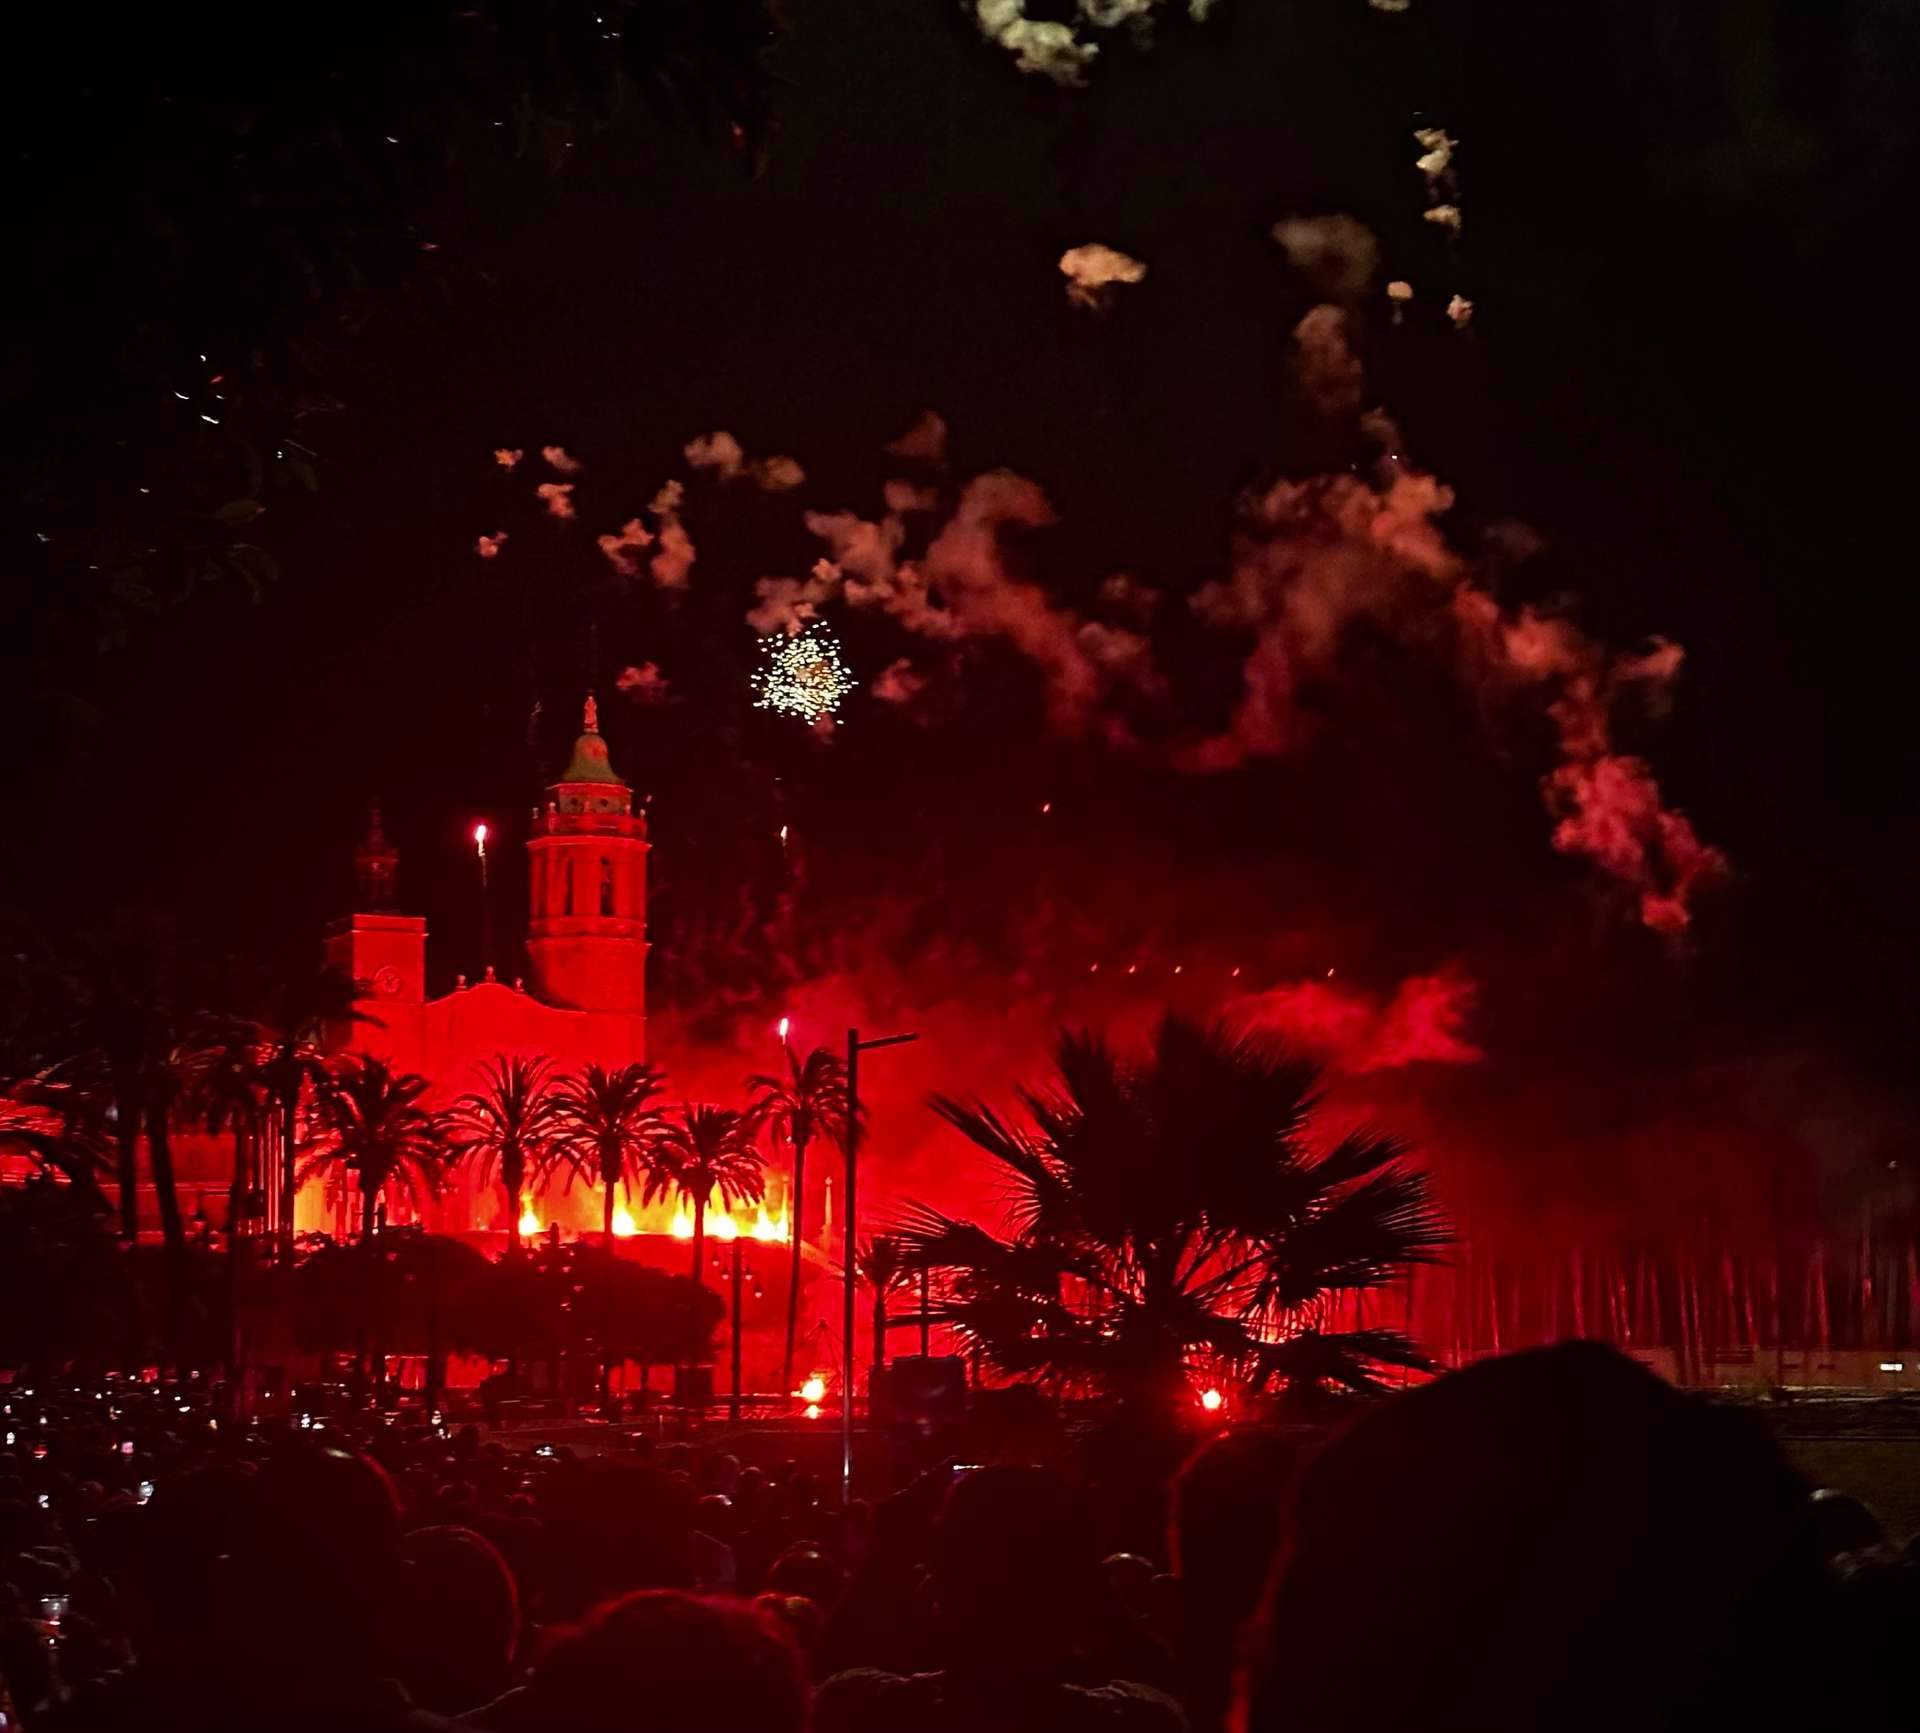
584	1000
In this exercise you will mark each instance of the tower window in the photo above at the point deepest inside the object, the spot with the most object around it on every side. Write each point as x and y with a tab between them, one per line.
606	887
566	904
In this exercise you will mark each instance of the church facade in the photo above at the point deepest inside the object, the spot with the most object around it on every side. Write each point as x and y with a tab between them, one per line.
584	1000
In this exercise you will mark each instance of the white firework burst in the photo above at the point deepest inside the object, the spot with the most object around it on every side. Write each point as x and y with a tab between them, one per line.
802	675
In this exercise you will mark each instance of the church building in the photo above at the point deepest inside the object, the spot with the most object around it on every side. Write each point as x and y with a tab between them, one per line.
584	1000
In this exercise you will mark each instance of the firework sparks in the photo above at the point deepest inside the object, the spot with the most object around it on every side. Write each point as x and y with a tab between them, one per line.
802	675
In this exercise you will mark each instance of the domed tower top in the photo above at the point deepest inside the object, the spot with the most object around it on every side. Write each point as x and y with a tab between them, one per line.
587	932
590	772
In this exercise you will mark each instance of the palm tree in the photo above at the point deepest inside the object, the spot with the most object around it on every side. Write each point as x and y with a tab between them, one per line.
307	1005
509	1125
372	1125
59	1126
607	1125
883	1265
224	1087
1168	1210
708	1149
810	1101
125	988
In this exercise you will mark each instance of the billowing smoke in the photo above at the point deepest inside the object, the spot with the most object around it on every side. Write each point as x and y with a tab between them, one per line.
1061	51
1330	373
721	453
672	563
1337	254
1094	271
633	538
924	442
1423	1020
899	683
644	684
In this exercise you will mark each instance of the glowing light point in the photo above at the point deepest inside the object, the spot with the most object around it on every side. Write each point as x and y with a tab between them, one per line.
480	839
1212	1401
529	1222
814	1389
802	675
785	1025
624	1226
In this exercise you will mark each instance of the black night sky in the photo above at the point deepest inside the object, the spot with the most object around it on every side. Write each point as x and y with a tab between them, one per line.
1687	237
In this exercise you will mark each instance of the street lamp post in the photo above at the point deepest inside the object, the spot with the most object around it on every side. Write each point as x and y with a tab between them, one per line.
855	1047
486	902
733	1401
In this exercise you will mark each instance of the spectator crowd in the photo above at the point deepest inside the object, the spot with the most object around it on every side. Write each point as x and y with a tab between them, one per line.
1552	1540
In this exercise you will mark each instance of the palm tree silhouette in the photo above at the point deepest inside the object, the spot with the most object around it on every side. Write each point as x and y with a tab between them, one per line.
607	1127
509	1124
1168	1209
59	1126
810	1101
372	1125
224	1088
883	1265
708	1149
307	1004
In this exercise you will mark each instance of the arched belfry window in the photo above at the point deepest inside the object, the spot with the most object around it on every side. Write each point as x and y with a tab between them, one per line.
566	903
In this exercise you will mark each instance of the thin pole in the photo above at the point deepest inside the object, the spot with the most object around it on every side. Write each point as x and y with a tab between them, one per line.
849	1239
733	1405
847	1272
926	1302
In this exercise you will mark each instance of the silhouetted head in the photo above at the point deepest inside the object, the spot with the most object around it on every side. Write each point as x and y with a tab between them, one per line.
806	1570
1842	1524
666	1662
1014	1566
458	1620
1554	1539
1226	1513
306	1593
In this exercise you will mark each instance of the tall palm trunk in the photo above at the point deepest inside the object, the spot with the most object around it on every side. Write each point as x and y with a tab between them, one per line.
237	1186
369	1200
794	1221
879	1329
166	1192
126	1143
699	1239
606	1215
513	1178
289	1181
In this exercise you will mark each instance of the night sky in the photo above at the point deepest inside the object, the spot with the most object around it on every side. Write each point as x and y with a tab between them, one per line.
1687	240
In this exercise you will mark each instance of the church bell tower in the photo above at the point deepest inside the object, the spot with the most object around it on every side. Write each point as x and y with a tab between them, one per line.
587	932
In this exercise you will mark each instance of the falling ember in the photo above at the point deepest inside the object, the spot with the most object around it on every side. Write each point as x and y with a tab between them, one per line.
624	1226
480	838
1212	1401
529	1222
802	675
814	1389
785	1025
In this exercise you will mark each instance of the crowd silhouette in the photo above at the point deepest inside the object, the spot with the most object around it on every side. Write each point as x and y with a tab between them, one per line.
1554	1539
